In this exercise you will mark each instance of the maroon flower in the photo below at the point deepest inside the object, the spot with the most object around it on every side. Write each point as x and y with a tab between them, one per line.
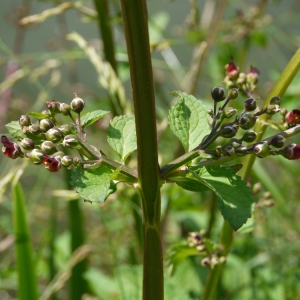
52	164
10	149
293	117
292	151
252	75
232	71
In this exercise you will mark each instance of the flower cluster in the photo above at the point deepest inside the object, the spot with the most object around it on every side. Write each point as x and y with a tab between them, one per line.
39	140
207	248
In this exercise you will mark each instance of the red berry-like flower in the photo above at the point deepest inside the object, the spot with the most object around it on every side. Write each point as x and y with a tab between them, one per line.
10	149
293	117
52	164
292	152
232	71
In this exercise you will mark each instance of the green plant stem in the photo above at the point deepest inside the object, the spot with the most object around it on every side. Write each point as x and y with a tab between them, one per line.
135	21
227	232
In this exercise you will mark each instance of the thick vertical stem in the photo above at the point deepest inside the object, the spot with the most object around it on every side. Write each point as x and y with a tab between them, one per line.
137	38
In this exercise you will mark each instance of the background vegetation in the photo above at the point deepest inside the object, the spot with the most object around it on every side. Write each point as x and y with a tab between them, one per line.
191	42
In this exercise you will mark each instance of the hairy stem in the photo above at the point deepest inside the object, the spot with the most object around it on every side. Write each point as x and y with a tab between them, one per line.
137	38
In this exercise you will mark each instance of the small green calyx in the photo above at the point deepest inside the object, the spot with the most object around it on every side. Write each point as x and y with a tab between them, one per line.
54	135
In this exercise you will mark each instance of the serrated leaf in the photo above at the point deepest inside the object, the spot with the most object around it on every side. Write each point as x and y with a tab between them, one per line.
122	136
39	115
91	117
188	120
93	185
15	130
190	184
236	199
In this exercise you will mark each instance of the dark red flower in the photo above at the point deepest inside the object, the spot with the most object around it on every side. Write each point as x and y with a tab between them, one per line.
52	164
293	117
292	151
232	71
10	149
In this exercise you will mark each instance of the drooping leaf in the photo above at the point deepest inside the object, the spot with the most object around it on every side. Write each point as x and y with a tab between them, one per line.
235	198
188	120
93	185
122	136
91	117
39	115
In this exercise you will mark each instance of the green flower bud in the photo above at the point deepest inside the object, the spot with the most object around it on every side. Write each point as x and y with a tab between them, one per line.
25	129
27	144
283	111
48	147
24	121
242	79
275	100
228	130
36	156
250	104
229	112
65	109
272	109
58	155
46	124
249	136
218	94
210	112
54	135
77	104
236	143
233	93
205	262
71	141
278	141
34	129
228	150
53	106
67	161
261	149
65	129
247	121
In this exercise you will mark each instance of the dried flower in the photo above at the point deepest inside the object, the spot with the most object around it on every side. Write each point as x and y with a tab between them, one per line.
232	71
52	164
293	117
291	152
10	149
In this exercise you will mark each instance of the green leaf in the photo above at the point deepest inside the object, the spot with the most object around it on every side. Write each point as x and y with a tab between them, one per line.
236	200
188	120
15	130
122	136
39	115
190	184
91	117
93	185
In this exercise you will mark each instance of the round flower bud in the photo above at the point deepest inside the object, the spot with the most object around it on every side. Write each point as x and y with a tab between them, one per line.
242	79
67	161
272	109
218	94
46	124
229	112
25	129
252	75
34	129
236	143
275	100
278	141
228	130
27	144
250	104
54	135
48	147
249	136
205	262
52	164
65	109
24	121
71	141
65	129
233	93
36	156
291	151
261	149
210	112
53	106
77	104
58	154
283	111
10	149
228	150
247	121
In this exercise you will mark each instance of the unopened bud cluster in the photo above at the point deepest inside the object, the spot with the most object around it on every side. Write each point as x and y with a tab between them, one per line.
206	248
44	135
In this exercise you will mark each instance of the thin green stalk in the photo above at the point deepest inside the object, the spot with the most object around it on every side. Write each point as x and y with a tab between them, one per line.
135	21
27	283
227	232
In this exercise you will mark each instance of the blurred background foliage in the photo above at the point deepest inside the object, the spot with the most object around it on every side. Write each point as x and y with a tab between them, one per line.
191	42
